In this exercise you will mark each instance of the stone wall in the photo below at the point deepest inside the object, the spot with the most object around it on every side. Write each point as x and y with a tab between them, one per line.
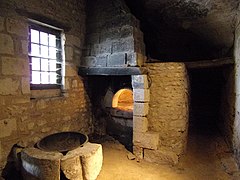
25	120
113	36
168	111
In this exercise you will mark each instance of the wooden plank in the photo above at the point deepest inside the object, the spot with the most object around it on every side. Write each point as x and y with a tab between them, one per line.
210	63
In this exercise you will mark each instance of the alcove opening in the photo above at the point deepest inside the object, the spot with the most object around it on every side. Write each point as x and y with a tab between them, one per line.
123	100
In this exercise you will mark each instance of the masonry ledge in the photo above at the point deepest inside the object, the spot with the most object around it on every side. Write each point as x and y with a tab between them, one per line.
116	71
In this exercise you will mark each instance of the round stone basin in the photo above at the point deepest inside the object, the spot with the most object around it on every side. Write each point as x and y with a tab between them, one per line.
62	142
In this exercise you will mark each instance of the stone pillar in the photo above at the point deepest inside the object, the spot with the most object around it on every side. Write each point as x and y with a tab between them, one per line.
168	111
142	138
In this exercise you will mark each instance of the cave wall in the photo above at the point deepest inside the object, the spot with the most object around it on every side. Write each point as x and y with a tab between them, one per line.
188	30
25	120
227	106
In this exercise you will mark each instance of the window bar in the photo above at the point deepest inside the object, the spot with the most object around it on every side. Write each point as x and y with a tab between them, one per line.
40	59
48	60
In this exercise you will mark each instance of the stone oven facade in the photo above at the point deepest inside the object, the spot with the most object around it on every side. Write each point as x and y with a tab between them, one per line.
114	46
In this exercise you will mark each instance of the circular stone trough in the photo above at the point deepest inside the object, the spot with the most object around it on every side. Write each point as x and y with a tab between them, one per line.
62	142
60	155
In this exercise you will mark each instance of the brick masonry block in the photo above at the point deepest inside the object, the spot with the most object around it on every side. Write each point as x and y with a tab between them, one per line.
160	156
124	45
149	140
138	152
140	109
6	44
7	127
140	124
117	60
139	82
136	59
101	60
141	95
15	66
9	86
17	26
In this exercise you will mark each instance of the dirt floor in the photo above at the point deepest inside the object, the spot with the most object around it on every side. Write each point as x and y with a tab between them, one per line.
207	158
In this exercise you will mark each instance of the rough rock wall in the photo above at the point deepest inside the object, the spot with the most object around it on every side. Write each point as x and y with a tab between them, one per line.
168	106
113	36
23	119
227	108
187	29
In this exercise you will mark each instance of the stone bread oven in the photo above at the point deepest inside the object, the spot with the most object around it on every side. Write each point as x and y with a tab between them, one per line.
64	155
114	49
120	124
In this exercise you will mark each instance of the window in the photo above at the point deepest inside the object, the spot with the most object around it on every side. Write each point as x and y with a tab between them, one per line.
45	57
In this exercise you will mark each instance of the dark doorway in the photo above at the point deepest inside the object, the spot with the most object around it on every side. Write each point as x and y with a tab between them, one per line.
206	90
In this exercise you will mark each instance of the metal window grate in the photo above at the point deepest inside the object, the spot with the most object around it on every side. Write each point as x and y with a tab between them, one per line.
45	57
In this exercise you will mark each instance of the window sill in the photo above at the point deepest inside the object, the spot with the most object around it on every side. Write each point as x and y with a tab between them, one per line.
46	93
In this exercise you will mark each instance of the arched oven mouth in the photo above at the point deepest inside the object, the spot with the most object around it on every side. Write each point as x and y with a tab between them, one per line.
123	100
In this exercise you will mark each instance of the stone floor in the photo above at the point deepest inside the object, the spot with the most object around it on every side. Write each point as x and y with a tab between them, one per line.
207	158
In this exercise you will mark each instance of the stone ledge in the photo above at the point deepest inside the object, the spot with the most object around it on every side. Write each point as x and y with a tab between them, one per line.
111	70
160	156
6	44
120	113
149	140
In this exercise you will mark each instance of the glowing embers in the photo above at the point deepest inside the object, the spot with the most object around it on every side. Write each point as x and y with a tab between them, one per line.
123	100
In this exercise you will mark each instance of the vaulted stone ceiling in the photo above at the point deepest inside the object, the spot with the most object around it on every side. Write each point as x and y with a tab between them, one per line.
187	29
